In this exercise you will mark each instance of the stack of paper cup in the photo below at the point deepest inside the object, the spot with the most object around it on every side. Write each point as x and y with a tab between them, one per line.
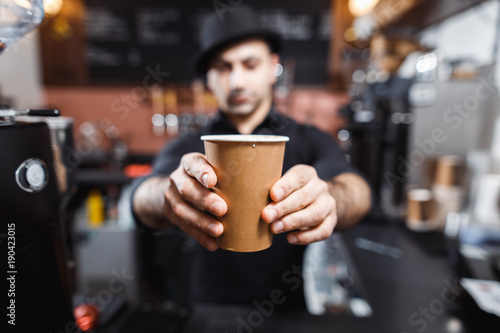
448	188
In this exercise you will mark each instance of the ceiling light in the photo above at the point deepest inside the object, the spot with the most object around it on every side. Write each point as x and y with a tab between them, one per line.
52	7
361	7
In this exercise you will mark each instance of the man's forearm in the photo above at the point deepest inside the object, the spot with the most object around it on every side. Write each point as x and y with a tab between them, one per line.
148	202
353	197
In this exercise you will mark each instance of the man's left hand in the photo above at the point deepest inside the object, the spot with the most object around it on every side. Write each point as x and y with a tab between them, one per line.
301	202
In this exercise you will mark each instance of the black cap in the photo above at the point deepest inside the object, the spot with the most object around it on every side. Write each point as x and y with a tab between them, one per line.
222	29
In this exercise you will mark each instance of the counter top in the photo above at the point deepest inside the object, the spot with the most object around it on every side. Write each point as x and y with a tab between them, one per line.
417	293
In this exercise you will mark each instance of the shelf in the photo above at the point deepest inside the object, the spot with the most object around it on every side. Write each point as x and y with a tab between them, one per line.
420	14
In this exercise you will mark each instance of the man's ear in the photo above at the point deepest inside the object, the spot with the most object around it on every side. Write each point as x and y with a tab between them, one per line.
275	60
209	80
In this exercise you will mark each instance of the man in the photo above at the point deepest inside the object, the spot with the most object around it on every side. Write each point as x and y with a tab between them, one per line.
317	193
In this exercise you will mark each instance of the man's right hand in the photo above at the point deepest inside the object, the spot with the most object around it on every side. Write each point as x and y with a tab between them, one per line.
188	198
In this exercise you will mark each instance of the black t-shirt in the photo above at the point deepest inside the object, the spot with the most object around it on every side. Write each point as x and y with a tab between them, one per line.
242	278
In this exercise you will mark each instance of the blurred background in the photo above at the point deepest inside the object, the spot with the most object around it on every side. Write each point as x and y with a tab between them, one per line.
409	89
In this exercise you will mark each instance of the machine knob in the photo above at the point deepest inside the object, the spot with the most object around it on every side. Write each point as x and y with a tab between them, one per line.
32	175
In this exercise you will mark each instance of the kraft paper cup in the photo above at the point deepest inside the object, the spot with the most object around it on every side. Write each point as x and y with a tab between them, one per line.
448	188
246	166
421	210
449	171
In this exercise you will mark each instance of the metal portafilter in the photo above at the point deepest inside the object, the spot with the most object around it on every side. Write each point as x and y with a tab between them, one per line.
8	115
30	112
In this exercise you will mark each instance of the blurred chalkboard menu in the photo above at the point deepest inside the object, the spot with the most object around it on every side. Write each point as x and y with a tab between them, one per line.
128	40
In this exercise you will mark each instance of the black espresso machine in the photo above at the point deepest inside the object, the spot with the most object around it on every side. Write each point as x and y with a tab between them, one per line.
35	294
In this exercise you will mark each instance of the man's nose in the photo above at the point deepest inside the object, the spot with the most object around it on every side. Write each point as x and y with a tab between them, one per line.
236	79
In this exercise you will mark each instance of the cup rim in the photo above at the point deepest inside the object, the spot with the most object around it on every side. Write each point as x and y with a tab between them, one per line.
245	138
420	194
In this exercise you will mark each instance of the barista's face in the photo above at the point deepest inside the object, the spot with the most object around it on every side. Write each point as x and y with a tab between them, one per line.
241	77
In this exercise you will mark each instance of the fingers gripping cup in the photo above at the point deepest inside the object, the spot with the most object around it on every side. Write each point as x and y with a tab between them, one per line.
246	166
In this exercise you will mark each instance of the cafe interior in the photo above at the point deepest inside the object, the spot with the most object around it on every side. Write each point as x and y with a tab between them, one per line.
92	90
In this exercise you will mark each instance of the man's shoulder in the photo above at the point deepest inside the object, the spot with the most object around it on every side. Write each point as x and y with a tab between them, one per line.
310	130
283	122
279	117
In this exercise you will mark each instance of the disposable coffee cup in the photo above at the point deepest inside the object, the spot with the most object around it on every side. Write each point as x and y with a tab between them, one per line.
449	171
420	210
246	166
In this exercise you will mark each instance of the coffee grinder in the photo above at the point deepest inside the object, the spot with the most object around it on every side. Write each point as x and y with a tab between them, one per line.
35	294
